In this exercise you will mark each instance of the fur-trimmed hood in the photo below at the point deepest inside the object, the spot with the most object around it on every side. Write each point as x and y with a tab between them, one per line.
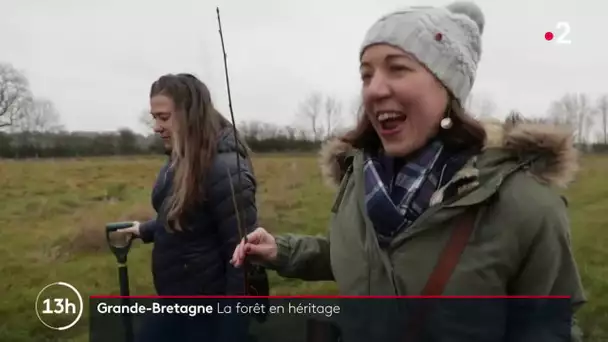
556	163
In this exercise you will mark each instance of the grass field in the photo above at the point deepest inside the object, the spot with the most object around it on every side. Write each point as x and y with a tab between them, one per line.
52	217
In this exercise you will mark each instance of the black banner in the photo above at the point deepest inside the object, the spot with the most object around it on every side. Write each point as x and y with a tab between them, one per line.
330	319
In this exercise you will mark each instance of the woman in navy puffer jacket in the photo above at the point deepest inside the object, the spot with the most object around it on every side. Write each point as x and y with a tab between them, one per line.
196	228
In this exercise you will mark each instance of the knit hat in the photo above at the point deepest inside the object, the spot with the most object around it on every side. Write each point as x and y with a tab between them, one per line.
447	40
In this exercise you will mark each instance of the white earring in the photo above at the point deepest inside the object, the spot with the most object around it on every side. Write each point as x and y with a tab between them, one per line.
446	123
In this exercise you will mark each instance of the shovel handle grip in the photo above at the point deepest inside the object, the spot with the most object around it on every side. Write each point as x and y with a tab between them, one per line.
119	251
110	227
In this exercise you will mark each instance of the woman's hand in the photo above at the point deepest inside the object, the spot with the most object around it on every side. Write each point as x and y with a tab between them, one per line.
260	247
133	230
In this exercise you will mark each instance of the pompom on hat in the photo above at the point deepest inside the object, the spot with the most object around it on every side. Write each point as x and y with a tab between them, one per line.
447	40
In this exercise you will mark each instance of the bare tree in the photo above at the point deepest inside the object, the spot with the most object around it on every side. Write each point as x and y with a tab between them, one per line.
515	116
290	132
564	111
146	119
270	131
585	117
311	109
40	115
252	130
573	110
15	95
333	111
356	107
602	112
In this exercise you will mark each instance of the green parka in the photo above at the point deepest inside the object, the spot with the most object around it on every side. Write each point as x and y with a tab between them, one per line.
521	239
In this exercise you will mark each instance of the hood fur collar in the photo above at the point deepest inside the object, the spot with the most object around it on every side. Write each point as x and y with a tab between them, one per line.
556	165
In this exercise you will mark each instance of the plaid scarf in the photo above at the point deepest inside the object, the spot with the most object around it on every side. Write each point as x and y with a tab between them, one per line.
396	196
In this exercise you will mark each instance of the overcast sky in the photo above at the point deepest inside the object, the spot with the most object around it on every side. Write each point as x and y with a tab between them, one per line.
96	59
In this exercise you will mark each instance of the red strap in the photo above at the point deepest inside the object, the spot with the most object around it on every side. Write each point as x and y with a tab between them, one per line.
450	256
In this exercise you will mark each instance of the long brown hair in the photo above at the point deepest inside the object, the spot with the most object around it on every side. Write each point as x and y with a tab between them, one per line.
466	131
194	132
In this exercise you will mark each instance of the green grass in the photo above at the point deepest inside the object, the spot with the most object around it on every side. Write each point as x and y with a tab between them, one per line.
52	215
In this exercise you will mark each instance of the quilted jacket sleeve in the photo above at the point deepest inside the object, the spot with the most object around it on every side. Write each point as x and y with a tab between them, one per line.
225	191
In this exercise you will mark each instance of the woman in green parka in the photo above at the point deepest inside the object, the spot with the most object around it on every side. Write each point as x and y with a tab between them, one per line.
429	200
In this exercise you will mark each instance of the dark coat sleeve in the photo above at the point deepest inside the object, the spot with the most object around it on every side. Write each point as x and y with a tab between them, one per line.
147	229
224	182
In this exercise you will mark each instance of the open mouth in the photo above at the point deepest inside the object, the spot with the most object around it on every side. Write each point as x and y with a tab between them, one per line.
391	121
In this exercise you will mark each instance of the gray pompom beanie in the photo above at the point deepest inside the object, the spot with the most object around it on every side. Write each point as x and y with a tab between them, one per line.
447	40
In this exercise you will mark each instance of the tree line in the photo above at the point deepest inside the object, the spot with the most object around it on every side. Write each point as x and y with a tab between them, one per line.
30	126
61	144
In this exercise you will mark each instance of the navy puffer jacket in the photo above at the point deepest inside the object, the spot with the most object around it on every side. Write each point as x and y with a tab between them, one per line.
196	260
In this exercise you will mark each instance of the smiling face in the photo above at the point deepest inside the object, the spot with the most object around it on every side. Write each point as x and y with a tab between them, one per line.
402	99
